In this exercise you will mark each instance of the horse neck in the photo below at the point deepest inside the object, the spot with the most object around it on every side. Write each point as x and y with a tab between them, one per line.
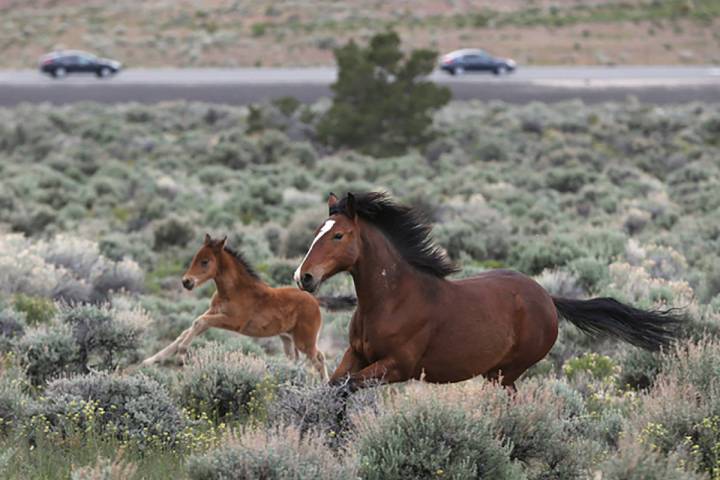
232	279
381	274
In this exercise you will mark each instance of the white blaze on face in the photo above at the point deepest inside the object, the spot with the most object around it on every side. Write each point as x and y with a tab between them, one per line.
325	228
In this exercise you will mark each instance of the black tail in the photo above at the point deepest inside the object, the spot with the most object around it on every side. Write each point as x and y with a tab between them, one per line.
343	302
646	329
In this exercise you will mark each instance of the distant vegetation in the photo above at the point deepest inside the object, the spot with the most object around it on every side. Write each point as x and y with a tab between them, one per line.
230	33
101	208
383	102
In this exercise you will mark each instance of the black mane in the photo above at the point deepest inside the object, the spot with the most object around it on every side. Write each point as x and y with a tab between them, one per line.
408	231
241	260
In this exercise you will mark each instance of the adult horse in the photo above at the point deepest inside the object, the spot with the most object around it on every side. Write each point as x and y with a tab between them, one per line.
243	303
412	322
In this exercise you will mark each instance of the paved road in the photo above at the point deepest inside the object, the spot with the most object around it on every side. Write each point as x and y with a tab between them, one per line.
241	86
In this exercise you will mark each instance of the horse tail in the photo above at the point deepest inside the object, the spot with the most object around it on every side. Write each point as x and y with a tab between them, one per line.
648	329
342	302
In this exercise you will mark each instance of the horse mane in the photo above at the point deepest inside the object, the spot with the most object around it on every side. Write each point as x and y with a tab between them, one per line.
406	229
241	260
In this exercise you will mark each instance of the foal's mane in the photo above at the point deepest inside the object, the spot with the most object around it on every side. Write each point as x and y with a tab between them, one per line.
406	229
241	261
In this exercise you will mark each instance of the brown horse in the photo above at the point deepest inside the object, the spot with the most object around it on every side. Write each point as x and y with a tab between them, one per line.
412	322
245	304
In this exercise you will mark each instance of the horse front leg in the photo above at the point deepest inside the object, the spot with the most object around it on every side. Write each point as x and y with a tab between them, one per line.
386	370
350	363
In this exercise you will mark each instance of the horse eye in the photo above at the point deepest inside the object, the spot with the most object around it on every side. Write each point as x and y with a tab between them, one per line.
205	262
338	236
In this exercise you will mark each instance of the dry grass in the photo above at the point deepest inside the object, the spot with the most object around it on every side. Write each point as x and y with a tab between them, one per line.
226	33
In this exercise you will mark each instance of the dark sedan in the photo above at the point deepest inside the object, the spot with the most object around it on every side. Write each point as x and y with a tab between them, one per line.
61	64
473	60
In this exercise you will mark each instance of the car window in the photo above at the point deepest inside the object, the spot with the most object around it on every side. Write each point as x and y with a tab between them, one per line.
72	59
472	58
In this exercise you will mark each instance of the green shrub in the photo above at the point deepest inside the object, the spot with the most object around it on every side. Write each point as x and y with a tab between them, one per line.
47	352
37	310
634	462
600	367
12	326
172	232
323	409
281	454
430	439
639	368
568	180
225	385
382	104
103	342
590	272
132	408
281	272
13	403
545	253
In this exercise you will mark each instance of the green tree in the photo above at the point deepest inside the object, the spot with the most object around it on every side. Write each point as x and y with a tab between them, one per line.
383	101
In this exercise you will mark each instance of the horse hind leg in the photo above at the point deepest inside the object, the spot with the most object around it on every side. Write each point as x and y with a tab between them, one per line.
506	378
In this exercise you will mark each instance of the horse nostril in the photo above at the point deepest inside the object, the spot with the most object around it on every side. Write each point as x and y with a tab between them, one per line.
188	283
307	280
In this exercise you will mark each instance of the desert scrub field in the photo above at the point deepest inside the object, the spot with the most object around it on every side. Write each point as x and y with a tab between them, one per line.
230	33
102	207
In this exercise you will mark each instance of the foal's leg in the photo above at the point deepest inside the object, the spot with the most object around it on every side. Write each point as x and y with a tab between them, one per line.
200	326
170	350
319	363
315	356
289	346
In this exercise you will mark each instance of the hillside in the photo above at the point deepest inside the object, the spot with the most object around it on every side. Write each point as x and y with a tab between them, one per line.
225	33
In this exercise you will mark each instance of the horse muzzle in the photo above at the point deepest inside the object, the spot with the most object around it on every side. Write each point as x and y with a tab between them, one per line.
188	283
308	283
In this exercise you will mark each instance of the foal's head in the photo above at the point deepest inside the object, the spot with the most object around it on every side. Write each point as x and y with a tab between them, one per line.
335	248
204	264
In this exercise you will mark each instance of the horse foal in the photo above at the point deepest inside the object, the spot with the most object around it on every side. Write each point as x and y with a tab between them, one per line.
243	303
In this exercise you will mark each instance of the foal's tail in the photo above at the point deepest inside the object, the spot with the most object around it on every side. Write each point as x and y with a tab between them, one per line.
650	330
342	302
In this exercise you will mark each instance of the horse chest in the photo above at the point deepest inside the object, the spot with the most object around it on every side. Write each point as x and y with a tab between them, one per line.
369	342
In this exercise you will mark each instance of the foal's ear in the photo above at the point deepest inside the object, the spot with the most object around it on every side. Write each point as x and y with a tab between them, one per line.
208	239
222	242
350	205
332	201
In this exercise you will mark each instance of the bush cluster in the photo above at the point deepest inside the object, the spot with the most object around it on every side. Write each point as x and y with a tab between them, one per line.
104	206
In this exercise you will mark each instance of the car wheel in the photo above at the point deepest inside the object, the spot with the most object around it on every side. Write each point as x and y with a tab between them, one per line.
104	72
459	70
59	72
501	70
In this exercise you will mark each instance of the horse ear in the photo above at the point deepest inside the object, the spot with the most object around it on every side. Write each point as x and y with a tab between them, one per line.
350	205
208	239
332	201
222	242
